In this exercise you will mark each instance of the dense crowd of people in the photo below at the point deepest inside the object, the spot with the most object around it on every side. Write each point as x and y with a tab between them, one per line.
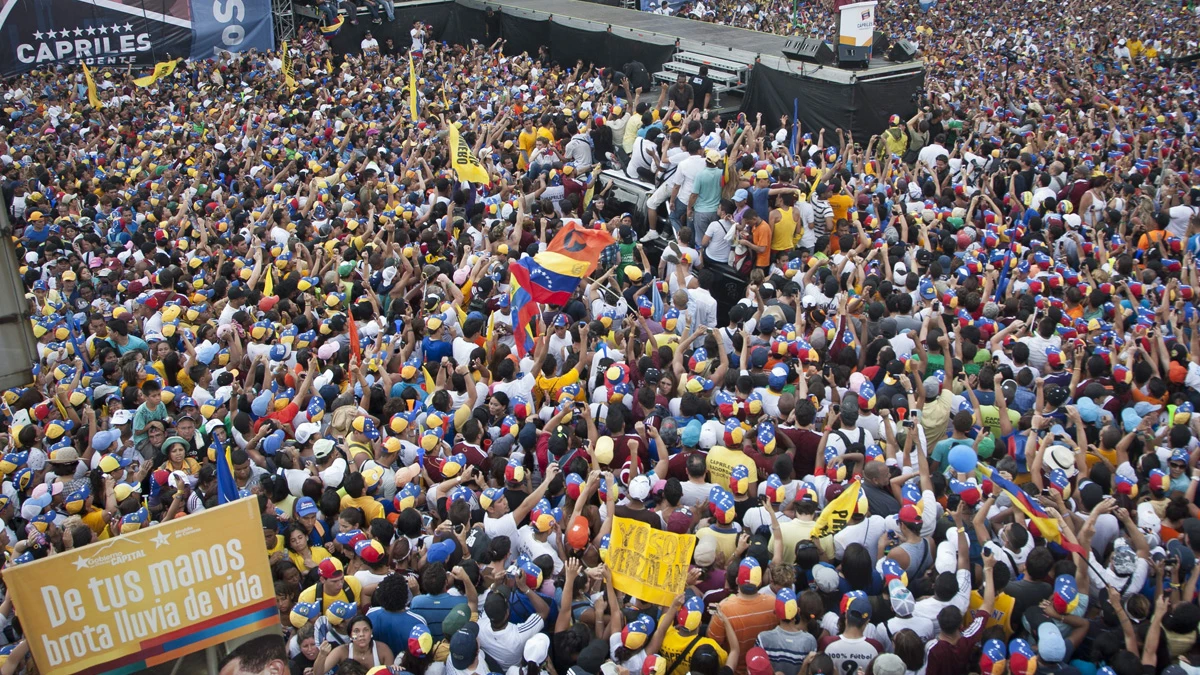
949	428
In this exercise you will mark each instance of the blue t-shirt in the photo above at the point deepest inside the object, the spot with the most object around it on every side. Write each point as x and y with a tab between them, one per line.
434	350
434	608
393	628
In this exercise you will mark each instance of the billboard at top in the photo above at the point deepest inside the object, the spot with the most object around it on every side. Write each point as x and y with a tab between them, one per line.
40	34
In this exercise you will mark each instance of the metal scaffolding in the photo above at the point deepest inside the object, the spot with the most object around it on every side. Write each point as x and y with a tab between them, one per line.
283	15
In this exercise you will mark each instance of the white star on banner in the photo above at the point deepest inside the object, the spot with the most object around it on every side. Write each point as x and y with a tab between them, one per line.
37	35
51	35
81	562
91	30
103	30
115	28
129	27
161	539
78	32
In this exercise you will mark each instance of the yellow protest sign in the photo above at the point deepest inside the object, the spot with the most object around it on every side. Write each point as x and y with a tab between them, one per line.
649	564
147	597
412	90
466	164
837	513
721	461
289	76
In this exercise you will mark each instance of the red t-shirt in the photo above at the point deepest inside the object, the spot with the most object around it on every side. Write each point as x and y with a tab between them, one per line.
284	416
947	658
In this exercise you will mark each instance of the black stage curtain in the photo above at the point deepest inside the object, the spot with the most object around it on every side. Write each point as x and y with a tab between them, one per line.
457	24
863	107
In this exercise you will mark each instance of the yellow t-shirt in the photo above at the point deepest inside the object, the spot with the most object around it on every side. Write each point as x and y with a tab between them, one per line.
318	554
525	141
674	644
553	386
181	377
371	509
1001	613
726	541
841	206
277	547
354	448
94	519
310	594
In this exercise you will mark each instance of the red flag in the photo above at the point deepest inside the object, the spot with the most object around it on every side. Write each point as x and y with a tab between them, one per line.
355	348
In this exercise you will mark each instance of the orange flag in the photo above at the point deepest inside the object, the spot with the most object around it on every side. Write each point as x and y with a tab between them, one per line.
580	244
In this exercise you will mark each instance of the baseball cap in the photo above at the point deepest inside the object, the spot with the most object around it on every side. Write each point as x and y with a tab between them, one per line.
305	506
639	488
330	568
860	608
464	646
758	663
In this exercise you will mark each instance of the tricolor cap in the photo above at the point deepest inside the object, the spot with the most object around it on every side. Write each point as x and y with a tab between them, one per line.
533	573
1159	480
969	492
303	612
350	538
720	504
340	612
691	613
910	493
765	439
1125	486
734	433
994	658
130	523
636	632
420	641
786	604
848	598
774	490
574	485
406	497
1066	594
891	570
453	464
514	472
739	479
654	665
460	493
13	461
331	568
366	426
750	572
370	551
807	492
1021	660
490	496
74	500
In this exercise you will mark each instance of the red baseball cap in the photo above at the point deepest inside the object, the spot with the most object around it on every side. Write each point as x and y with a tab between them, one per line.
758	663
908	514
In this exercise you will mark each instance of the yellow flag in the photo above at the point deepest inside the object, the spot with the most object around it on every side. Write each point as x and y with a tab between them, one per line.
328	66
412	88
93	99
836	513
466	164
269	284
288	78
445	99
161	70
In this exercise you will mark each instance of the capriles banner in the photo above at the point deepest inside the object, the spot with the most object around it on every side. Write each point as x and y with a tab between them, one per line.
41	34
649	564
147	597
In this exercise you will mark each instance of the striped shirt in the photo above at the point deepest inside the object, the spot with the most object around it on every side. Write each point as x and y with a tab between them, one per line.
822	211
750	616
787	649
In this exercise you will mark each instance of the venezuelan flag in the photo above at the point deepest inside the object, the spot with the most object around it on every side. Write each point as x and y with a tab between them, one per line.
550	278
332	29
524	312
1046	525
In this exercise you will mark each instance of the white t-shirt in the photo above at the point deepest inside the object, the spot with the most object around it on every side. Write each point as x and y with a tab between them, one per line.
1180	217
462	350
505	525
370	45
719	245
507	646
528	545
418	39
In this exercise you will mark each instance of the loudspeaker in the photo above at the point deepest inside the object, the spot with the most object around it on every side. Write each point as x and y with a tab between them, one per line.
809	50
852	56
901	52
880	43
